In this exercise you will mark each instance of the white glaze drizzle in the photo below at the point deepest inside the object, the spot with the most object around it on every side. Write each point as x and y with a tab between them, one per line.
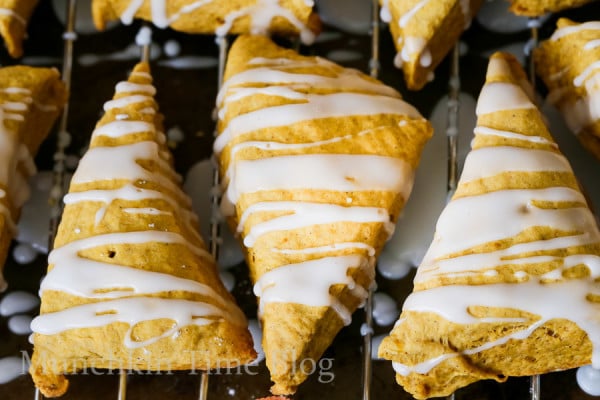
491	161
124	101
592	44
336	172
308	283
11	13
311	170
303	214
329	248
406	17
84	277
588	73
261	15
113	283
569	30
133	311
485	131
315	107
472	221
502	96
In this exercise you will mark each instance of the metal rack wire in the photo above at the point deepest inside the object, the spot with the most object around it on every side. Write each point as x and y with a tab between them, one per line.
452	130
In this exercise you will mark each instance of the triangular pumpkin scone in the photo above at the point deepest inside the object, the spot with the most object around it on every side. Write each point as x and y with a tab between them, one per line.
283	17
14	16
30	101
509	285
536	8
569	64
130	284
317	161
424	31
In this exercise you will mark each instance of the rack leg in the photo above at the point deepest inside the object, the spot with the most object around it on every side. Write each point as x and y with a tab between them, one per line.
122	385
534	24
535	388
453	123
367	332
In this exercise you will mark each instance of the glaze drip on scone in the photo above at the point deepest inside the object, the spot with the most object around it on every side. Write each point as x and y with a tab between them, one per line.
129	293
516	248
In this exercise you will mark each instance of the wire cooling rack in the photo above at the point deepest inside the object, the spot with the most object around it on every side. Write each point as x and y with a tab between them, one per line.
375	68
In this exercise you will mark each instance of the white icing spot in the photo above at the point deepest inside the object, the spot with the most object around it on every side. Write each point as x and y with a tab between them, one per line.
17	302
228	280
375	343
256	333
172	48
11	368
24	254
175	134
231	392
144	36
385	309
365	330
588	379
20	324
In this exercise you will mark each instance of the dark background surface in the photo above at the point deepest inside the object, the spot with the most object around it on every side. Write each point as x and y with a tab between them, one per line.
186	97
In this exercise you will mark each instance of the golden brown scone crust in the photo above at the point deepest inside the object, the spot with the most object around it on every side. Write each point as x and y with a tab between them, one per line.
208	18
439	23
295	332
13	27
198	347
559	62
556	344
45	89
536	8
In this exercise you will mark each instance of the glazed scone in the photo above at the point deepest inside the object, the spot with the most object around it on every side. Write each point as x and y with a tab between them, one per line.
14	16
569	64
509	284
317	163
536	8
283	17
424	31
130	284
30	101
